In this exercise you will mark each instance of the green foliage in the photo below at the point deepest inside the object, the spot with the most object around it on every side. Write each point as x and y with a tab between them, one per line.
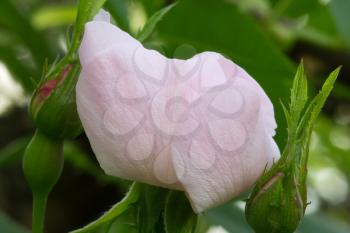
16	31
298	96
13	152
309	118
152	23
152	6
340	12
149	208
179	216
142	211
124	223
119	11
117	210
16	22
54	16
9	226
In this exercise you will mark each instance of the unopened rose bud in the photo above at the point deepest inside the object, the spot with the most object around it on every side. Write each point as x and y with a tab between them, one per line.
201	125
42	163
278	202
42	167
279	199
53	106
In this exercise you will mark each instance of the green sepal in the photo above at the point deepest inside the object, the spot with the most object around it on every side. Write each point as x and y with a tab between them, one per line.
178	215
149	208
117	210
143	206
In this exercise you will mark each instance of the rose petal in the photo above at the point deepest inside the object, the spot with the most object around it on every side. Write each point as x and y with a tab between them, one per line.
201	125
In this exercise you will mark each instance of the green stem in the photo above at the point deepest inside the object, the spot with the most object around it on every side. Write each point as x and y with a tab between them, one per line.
84	7
86	10
39	207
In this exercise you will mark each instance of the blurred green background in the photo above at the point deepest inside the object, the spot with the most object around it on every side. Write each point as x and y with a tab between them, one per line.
266	37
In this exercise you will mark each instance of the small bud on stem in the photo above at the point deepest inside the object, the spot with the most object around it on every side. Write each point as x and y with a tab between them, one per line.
42	166
279	199
53	106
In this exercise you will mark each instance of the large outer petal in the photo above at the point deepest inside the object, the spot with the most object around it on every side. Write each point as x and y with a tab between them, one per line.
113	104
218	171
201	125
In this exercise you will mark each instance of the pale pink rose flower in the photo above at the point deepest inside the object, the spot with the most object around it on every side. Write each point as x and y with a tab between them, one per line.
201	125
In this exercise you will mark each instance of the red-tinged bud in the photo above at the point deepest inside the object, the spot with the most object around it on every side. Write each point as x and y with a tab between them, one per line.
53	106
